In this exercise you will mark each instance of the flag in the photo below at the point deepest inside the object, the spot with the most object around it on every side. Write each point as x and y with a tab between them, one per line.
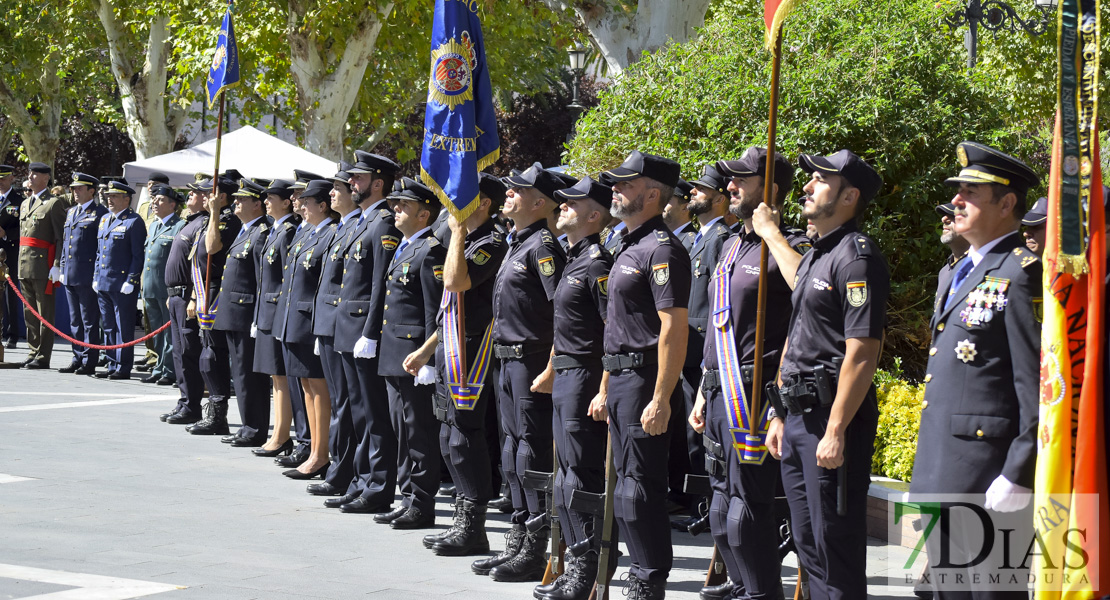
224	72
460	129
774	13
1071	458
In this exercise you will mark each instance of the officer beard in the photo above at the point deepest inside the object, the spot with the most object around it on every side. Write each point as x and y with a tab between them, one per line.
629	207
746	208
816	211
947	237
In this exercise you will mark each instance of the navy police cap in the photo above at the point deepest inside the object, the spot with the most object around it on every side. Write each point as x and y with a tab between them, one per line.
545	181
303	177
84	179
373	163
712	179
641	164
492	186
849	166
281	188
320	189
6	170
588	188
982	164
947	210
250	189
684	189
115	187
1036	215
754	162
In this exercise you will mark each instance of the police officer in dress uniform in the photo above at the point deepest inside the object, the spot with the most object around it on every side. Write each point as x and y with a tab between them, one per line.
677	214
741	511
1036	228
41	226
522	337
979	418
121	237
75	264
184	329
209	256
955	242
579	323
832	349
159	241
413	291
238	298
10	201
645	347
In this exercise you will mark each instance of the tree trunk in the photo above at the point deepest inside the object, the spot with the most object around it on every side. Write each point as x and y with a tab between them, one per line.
39	134
327	86
622	35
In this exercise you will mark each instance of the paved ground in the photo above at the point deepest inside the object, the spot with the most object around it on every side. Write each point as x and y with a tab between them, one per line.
98	499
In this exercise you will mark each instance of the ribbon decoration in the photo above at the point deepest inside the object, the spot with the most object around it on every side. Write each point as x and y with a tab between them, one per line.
464	390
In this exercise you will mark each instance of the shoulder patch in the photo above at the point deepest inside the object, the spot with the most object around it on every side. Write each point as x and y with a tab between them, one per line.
863	245
389	242
437	271
481	257
603	285
547	266
661	273
803	247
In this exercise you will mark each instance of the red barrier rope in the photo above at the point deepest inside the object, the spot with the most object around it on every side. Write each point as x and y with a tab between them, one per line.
79	342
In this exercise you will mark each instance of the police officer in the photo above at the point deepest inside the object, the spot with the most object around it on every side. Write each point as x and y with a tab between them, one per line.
41	226
579	322
413	291
955	242
677	214
159	240
830	356
121	237
238	297
741	512
1035	223
10	201
75	265
645	347
184	329
209	256
982	381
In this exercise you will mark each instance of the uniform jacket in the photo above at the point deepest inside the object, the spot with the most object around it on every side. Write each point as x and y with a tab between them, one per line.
41	218
272	269
120	251
414	288
239	284
365	261
687	236
9	222
332	288
298	290
704	255
979	418
77	255
159	240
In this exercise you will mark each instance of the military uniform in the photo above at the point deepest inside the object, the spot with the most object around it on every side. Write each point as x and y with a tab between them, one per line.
159	241
41	226
76	263
10	203
275	251
116	279
184	331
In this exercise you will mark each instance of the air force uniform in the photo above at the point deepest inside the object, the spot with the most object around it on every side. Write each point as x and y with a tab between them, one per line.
76	263
117	277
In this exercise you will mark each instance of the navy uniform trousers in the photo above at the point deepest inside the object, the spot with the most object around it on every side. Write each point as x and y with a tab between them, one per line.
580	446
640	499
832	548
742	512
84	323
185	334
252	389
526	416
341	437
418	458
464	440
215	365
374	460
117	311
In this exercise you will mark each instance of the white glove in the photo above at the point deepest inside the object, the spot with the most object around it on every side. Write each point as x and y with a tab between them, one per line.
126	288
366	348
55	274
62	279
425	375
96	287
1005	496
316	348
254	330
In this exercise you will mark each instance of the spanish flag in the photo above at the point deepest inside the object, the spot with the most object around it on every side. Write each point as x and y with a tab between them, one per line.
774	13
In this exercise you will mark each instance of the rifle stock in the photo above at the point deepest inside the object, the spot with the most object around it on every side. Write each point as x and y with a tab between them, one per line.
604	574
555	558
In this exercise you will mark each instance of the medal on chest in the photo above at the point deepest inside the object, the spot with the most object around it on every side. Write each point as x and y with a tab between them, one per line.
358	251
404	278
308	259
988	298
270	255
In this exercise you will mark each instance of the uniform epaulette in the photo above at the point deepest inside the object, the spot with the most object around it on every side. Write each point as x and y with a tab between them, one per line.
288	225
496	236
1026	257
432	242
549	240
662	237
863	245
384	212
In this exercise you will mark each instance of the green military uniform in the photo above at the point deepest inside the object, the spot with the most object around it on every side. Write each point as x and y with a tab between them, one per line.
41	223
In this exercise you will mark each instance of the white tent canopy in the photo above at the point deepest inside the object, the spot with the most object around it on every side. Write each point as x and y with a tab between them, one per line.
252	152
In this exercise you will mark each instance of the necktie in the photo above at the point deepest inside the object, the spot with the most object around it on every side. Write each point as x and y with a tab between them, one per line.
961	274
242	230
697	238
400	248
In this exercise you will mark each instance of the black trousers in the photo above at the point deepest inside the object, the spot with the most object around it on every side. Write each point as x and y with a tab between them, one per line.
252	390
580	447
526	418
464	437
84	323
341	433
185	334
742	513
641	492
215	365
415	427
832	548
374	464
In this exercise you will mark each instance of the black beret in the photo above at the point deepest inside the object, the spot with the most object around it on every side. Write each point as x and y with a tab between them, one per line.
162	189
639	164
158	177
849	166
37	167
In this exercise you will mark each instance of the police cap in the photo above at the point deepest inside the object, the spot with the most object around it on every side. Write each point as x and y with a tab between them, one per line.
303	177
374	164
84	179
6	170
343	175
158	177
588	188
201	185
849	166
263	183
946	210
545	181
712	179
684	190
162	189
640	164
416	192
320	189
250	189
983	164
232	174
115	187
754	162
1036	215
281	188
493	187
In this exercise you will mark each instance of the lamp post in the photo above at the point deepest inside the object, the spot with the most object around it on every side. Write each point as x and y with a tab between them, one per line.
995	15
577	55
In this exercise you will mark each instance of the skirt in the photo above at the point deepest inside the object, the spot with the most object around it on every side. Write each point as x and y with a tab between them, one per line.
268	355
301	361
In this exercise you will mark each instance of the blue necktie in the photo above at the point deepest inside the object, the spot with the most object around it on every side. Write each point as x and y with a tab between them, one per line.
402	246
961	274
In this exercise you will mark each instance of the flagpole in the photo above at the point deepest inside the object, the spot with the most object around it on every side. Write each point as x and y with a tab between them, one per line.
215	190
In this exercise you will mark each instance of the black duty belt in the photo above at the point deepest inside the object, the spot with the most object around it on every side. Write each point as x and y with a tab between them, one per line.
711	379
516	351
801	394
562	362
632	360
177	291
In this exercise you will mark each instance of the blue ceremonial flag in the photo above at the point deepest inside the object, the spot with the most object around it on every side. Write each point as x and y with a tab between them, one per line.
224	72
460	129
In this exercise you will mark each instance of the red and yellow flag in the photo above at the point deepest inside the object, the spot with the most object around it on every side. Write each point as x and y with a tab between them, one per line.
774	13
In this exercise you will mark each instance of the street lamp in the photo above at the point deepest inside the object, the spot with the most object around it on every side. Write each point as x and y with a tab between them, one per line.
996	15
577	55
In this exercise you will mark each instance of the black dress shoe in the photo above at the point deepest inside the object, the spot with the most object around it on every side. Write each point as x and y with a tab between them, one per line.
11	343
294	460
26	361
362	505
102	374
285	448
103	362
338	501
716	592
227	439
684	524
387	518
117	376
503	504
36	364
86	370
144	367
323	489
447	489
166	381
73	366
317	474
248	442
414	518
183	417
150	379
169	414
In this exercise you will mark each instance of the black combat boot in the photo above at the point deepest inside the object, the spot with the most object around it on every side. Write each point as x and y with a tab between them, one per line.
580	576
639	589
207	411
530	563
215	423
542	590
514	539
470	538
431	539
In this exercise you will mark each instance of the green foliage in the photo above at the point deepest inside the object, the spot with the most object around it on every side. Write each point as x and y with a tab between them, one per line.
899	418
886	80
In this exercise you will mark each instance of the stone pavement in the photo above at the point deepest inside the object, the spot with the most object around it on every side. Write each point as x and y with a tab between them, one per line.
100	498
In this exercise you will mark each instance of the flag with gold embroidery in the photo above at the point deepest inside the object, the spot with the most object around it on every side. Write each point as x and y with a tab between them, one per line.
774	13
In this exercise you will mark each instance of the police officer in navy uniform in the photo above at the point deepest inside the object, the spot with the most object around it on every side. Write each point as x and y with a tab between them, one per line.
979	418
413	291
677	214
238	298
184	329
10	201
831	353
117	275
741	511
75	264
159	242
645	347
579	323
209	257
955	242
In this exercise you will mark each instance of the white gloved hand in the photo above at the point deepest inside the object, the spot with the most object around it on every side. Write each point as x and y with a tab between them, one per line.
316	348
96	287
1005	496
254	330
425	375
366	348
55	274
62	279
126	288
